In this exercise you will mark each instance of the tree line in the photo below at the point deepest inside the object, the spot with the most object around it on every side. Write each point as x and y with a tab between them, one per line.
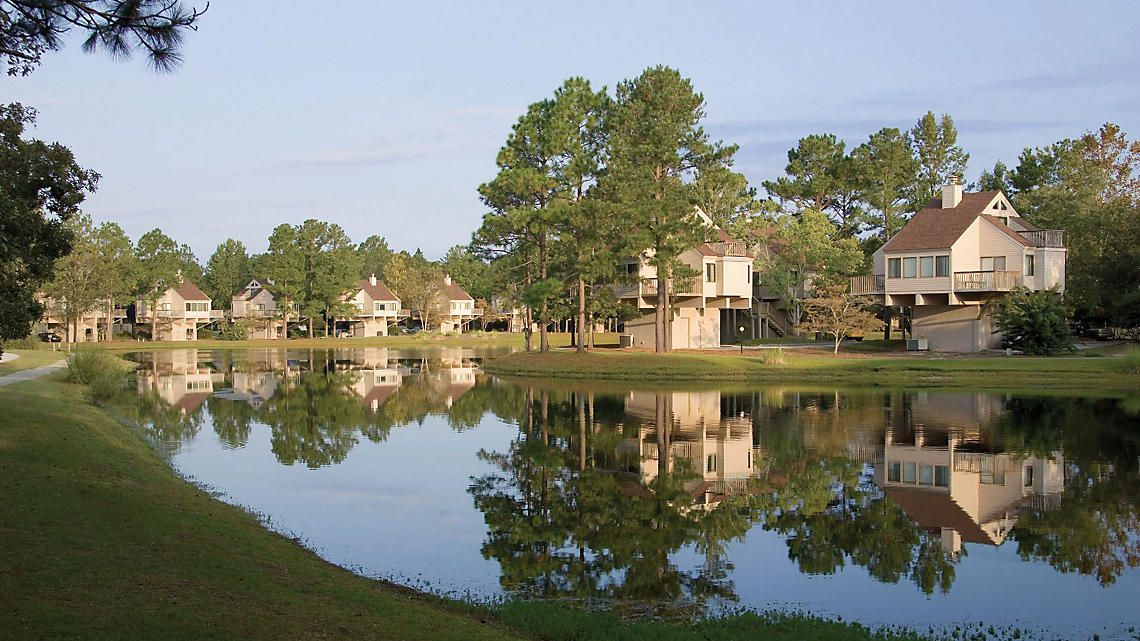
587	178
310	268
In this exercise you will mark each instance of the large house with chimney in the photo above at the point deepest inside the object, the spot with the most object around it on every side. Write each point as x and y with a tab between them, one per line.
959	253
707	307
178	313
377	309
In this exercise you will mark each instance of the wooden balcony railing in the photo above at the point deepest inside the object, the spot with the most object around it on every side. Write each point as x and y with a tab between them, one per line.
872	284
987	281
1045	237
731	248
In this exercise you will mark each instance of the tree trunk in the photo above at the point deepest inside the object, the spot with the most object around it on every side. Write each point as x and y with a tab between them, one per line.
581	326
659	345
543	337
284	323
838	339
310	319
528	339
154	321
887	318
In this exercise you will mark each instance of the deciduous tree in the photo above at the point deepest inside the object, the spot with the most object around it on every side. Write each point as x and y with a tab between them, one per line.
41	188
838	314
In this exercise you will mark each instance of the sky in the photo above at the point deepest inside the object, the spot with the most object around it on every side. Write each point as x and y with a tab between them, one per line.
385	117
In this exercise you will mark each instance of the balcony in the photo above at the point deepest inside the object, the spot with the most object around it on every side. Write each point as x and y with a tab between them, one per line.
987	281
1045	238
731	248
873	284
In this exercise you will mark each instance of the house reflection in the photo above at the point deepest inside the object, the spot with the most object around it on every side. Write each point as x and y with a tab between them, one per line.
939	466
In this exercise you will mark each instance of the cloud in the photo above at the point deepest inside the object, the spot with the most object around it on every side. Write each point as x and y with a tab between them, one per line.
381	153
1085	76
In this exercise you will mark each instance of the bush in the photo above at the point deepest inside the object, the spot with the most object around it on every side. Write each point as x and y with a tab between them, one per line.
1035	322
206	334
1131	364
102	373
27	342
234	332
772	356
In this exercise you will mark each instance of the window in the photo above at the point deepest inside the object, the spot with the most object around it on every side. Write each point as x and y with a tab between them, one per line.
941	476
894	472
710	465
748	277
993	263
1028	476
259	307
910	267
197	307
631	268
925	475
710	273
1029	265
926	266
894	268
377	307
908	473
941	266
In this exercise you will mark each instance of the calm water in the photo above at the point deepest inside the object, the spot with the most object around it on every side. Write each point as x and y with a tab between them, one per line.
885	507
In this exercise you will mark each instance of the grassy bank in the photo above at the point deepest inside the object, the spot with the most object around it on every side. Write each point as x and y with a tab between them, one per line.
1023	373
102	540
30	358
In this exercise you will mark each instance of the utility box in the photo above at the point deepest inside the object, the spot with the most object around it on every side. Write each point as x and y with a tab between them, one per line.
917	345
625	340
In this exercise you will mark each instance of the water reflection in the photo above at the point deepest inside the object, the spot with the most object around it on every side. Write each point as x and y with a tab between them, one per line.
651	498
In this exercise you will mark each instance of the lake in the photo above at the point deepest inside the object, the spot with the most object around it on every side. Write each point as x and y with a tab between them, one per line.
881	506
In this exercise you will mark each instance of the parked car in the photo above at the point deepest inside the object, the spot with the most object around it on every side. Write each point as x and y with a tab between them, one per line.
50	337
1100	333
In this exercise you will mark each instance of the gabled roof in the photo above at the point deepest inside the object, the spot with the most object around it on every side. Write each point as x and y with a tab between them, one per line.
455	292
379	291
189	291
704	249
1007	230
936	228
933	510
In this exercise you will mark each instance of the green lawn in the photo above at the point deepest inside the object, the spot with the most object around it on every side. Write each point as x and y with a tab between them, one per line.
30	358
101	540
1073	373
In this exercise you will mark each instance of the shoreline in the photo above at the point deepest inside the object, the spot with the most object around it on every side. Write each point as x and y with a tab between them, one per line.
1024	373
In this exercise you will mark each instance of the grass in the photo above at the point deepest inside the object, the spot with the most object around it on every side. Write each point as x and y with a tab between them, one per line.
102	540
1021	373
30	358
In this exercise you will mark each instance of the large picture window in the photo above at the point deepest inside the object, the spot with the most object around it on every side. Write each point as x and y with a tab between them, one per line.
910	267
993	263
894	268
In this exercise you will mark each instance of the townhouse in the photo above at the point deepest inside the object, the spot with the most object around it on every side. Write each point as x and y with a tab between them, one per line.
957	257
457	308
256	307
377	309
178	313
705	308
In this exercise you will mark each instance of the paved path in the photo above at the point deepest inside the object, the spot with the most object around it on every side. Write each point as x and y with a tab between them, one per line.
29	374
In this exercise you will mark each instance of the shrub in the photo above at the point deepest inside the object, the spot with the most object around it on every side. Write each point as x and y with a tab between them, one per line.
27	342
1131	364
234	332
772	356
102	373
1035	322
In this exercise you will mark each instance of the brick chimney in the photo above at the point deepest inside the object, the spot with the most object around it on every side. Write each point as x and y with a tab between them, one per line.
372	279
447	279
951	193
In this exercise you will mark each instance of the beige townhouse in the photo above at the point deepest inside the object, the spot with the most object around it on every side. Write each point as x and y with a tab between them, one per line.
377	309
179	312
705	307
90	326
954	257
256	307
457	308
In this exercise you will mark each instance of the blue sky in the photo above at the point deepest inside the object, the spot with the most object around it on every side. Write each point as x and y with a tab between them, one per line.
385	117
